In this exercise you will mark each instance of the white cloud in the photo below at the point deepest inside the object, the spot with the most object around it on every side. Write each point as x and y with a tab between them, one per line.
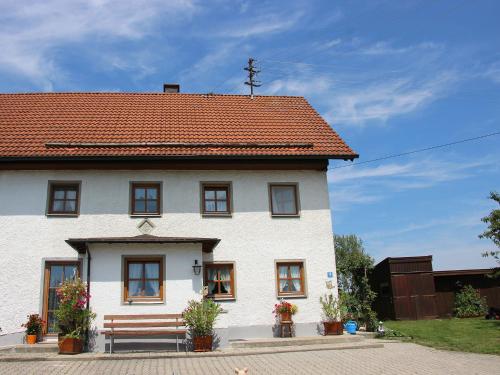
264	25
493	72
360	185
385	99
385	48
343	198
31	31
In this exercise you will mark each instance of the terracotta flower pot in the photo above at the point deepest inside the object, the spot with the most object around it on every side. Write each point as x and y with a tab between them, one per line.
286	316
202	343
333	328
31	339
70	346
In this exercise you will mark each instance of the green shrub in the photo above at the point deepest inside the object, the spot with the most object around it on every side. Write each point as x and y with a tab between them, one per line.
200	316
469	303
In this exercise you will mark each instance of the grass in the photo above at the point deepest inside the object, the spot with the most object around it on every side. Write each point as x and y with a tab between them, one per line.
476	335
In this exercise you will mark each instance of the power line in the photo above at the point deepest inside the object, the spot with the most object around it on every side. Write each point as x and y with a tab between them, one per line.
419	150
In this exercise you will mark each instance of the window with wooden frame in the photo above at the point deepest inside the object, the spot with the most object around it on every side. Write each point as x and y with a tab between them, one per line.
219	280
216	198
284	199
63	198
145	198
290	278
143	279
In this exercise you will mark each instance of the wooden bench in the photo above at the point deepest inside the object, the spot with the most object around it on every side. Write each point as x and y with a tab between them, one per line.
144	325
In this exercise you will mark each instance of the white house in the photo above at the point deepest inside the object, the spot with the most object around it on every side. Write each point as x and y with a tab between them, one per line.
131	190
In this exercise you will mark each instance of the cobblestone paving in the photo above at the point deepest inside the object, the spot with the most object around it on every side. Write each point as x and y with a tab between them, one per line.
394	358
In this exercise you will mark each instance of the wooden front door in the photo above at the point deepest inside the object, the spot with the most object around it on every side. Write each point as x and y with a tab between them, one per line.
55	274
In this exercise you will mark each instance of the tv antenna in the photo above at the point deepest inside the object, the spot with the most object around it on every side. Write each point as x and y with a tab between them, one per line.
252	73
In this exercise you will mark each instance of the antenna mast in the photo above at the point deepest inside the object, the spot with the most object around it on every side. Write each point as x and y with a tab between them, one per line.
252	73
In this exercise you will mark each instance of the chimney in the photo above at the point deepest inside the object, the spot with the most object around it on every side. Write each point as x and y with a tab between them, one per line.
171	88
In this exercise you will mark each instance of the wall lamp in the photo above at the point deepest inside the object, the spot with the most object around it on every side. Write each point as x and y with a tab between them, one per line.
196	267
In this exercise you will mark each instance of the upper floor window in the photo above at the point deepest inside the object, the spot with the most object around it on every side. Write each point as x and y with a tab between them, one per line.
63	198
145	198
284	199
216	198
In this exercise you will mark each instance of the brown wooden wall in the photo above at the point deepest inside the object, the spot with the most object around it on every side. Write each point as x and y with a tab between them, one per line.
405	288
447	284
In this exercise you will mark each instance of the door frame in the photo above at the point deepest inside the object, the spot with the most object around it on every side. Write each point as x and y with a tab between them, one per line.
46	280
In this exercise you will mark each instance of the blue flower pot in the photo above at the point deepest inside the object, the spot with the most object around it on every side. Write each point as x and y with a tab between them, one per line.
351	327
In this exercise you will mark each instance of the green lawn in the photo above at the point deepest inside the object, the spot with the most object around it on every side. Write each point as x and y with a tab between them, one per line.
475	335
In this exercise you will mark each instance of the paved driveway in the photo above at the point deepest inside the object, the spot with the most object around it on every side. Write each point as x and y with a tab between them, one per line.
394	358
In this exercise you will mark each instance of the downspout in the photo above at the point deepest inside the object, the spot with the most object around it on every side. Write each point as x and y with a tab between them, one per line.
89	258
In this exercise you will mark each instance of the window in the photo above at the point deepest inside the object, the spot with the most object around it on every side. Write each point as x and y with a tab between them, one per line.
290	278
284	199
143	279
146	199
216	199
63	198
219	280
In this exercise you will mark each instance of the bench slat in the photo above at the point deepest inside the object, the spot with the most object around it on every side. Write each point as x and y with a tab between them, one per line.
144	324
144	332
142	317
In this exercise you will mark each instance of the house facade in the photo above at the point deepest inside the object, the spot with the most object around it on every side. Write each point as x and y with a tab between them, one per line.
157	199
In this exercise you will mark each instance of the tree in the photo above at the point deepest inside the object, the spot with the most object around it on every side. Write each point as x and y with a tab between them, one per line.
353	266
493	232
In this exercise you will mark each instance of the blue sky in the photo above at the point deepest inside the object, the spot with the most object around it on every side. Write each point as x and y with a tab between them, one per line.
388	76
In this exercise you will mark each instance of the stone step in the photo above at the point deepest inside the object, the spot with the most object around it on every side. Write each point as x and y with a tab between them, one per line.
295	341
36	348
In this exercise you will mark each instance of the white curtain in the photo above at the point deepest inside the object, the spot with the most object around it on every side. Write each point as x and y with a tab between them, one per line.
225	277
134	270
295	274
152	288
283	274
283	198
152	270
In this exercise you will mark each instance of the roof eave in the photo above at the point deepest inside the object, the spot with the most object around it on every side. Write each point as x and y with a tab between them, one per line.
81	245
11	159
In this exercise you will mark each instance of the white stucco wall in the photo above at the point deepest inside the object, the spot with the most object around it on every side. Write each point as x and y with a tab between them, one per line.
251	238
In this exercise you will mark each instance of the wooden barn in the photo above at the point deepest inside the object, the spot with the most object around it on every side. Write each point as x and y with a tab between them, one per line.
409	289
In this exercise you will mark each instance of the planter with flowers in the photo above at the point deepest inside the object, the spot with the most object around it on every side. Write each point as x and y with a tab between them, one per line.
73	318
33	327
285	310
200	317
334	312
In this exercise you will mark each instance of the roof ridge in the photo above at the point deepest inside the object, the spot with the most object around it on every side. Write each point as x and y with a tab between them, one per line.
144	93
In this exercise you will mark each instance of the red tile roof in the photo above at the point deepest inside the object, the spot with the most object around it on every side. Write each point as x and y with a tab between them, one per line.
163	125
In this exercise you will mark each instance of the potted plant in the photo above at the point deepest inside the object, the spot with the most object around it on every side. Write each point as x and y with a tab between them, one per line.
334	312
73	318
200	317
33	328
285	310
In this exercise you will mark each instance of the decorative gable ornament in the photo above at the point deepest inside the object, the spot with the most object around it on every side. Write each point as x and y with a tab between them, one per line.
146	226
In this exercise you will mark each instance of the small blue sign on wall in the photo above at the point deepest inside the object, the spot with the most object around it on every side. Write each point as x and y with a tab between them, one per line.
329	275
